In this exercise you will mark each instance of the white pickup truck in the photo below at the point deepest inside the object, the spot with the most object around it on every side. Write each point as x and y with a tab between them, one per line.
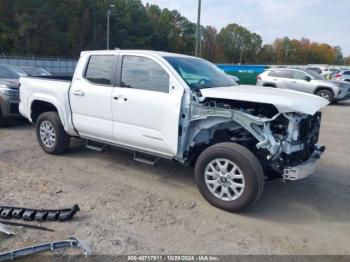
164	105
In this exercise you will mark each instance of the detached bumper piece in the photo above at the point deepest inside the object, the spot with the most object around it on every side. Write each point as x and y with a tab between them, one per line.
70	243
38	215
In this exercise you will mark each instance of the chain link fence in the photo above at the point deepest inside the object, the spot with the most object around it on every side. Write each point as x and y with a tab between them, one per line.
56	66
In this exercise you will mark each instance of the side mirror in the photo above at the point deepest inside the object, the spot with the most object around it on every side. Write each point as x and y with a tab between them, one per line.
307	78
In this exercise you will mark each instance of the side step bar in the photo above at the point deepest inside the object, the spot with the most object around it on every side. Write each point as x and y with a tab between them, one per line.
145	159
95	146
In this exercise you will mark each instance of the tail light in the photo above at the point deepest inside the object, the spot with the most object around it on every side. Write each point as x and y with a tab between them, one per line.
338	75
258	77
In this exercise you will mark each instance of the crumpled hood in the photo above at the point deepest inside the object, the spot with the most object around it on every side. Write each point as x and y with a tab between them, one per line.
284	100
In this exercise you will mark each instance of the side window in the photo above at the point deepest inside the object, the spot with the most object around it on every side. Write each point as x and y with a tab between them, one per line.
347	73
272	73
285	73
299	75
6	73
144	73
99	69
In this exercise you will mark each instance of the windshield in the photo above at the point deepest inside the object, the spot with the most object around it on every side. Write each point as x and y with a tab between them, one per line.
315	75
199	73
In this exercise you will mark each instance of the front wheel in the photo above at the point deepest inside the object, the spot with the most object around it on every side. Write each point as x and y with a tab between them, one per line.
229	176
325	94
50	133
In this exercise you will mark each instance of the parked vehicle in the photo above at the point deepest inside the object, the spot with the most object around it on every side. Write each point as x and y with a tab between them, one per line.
10	72
314	69
34	71
328	73
9	101
343	75
305	81
164	105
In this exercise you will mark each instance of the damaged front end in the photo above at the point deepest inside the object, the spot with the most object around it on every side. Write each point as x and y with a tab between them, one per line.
285	143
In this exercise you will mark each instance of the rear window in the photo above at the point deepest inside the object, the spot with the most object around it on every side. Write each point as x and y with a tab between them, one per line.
99	69
285	73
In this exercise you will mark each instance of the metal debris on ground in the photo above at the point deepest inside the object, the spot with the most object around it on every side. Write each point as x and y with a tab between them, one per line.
5	229
27	214
72	242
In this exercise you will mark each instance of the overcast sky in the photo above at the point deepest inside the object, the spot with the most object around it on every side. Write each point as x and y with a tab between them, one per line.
320	20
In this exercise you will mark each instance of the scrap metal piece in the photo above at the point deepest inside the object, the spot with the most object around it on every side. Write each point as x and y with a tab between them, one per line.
72	242
25	226
40	215
6	230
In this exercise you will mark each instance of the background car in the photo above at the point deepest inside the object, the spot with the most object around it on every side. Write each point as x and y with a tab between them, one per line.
10	72
343	75
315	69
329	72
34	71
305	81
9	100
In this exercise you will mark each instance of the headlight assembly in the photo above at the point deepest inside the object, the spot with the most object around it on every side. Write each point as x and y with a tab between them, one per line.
8	91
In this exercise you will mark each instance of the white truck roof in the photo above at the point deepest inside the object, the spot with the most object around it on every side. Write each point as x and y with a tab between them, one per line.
117	51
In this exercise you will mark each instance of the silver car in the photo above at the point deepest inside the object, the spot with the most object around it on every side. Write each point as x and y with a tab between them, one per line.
343	75
305	81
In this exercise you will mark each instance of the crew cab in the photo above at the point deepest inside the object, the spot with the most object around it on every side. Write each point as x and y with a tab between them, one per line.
182	108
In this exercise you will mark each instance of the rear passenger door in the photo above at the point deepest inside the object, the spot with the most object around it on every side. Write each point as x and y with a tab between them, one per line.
90	98
146	106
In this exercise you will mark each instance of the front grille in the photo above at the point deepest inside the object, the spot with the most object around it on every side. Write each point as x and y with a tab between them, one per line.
14	108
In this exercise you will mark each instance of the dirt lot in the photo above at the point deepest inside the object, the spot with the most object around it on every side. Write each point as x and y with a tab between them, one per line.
131	208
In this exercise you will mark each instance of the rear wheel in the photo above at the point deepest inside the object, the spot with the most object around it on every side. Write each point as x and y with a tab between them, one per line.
229	176
50	133
325	94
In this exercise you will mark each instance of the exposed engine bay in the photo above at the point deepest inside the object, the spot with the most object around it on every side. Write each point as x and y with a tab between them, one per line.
281	141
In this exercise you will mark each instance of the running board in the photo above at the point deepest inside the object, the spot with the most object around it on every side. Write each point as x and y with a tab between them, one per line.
95	146
145	159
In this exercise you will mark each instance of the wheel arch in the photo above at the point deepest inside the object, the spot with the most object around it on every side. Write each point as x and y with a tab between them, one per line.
319	88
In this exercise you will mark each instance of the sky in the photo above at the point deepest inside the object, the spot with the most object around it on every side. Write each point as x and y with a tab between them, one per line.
322	21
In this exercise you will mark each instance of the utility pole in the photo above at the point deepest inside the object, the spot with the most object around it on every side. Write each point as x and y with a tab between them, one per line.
108	25
109	11
198	36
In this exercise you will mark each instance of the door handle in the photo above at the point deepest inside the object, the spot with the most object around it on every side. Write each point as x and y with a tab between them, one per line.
120	98
78	93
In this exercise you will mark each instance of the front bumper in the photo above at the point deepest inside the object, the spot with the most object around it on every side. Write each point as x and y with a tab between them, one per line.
9	106
305	169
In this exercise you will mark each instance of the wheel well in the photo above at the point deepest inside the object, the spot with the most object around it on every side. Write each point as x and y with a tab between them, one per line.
324	88
39	107
220	136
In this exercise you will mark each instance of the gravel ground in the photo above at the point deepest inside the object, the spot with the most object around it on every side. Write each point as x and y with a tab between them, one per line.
131	208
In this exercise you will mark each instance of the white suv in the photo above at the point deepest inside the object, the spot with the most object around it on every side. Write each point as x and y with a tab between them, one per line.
304	81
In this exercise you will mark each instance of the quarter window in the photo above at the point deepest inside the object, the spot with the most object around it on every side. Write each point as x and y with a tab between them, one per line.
347	73
99	69
144	73
272	73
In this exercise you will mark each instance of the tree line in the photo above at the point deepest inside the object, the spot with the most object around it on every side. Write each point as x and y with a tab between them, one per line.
66	27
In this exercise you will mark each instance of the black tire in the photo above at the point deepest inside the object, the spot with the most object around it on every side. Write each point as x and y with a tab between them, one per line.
326	94
62	139
250	169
